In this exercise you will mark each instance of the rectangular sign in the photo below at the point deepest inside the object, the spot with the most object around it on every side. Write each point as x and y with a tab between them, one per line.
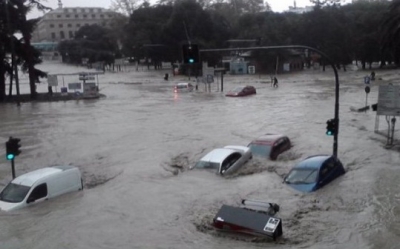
389	100
52	80
208	74
75	86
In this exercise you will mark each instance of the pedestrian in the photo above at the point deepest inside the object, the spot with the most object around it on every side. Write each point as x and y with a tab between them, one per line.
373	75
275	82
272	80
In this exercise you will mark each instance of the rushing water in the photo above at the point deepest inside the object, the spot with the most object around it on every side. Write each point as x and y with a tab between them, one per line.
135	146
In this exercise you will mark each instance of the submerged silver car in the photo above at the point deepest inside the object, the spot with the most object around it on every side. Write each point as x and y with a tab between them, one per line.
225	160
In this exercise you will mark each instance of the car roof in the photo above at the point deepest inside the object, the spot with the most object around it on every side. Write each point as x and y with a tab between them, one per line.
218	155
268	138
30	178
312	162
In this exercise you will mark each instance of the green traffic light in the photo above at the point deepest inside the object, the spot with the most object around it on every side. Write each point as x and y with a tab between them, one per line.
10	157
191	60
329	133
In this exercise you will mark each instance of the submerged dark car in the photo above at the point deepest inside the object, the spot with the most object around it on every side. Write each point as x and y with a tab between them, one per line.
241	91
314	172
270	145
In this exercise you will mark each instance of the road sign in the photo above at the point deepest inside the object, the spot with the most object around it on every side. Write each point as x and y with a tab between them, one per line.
52	80
252	69
367	89
208	74
75	86
389	100
367	79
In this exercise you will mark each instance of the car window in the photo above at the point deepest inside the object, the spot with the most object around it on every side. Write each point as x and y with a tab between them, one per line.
39	192
263	150
302	176
14	193
207	165
230	160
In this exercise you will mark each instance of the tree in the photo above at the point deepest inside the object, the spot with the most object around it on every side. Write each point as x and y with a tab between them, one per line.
91	41
390	31
26	55
126	7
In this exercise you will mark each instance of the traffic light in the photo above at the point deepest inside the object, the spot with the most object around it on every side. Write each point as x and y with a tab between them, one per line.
330	127
190	53
12	148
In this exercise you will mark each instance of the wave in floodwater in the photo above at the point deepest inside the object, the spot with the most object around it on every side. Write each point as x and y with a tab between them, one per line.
183	162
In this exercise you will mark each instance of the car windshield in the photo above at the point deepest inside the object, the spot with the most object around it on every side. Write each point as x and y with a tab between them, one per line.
237	89
14	193
302	176
207	165
262	150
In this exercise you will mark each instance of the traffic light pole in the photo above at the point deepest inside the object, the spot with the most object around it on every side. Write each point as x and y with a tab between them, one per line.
330	62
13	169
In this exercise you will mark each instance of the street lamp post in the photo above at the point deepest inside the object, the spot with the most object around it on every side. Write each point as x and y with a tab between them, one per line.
330	62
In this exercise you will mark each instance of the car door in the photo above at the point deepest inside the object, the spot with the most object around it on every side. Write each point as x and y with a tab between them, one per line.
39	193
277	149
327	172
231	163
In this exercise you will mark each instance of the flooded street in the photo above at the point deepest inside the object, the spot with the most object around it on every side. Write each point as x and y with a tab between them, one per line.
135	146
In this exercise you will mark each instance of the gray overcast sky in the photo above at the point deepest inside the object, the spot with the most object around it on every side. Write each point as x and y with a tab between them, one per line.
276	5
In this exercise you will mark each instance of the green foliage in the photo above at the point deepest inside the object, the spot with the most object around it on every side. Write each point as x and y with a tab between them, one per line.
13	20
93	42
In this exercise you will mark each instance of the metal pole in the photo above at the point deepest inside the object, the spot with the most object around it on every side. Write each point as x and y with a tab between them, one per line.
330	62
222	81
13	168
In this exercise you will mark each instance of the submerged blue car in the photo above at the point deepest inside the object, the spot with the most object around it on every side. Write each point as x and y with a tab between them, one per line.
314	172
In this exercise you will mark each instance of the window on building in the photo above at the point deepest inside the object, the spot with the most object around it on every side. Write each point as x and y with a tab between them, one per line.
86	24
62	36
67	15
58	16
101	16
93	16
74	10
65	10
71	34
83	10
84	16
60	25
51	25
69	25
99	10
91	10
78	24
53	35
76	16
109	16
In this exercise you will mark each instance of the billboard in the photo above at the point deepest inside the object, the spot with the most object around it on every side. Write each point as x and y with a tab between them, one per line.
389	100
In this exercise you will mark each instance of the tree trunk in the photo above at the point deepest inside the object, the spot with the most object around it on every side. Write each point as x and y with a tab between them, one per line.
2	83
31	65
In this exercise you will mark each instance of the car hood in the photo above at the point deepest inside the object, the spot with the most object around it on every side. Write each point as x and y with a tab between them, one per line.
305	187
8	206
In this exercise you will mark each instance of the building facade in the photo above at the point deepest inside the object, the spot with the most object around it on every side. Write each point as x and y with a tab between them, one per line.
62	23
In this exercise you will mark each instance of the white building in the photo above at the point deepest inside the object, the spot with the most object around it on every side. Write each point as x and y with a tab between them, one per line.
62	23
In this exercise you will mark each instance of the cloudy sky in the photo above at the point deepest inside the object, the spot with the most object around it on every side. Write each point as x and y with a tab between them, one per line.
277	5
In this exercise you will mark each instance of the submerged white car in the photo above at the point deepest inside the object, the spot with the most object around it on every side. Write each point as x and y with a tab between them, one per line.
40	185
225	160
